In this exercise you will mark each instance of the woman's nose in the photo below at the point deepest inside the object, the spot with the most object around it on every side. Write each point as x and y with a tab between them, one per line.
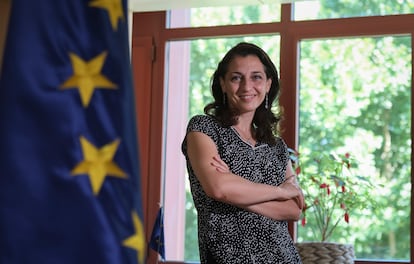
245	83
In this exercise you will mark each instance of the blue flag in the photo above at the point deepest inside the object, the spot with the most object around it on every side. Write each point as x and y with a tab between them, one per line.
69	170
157	241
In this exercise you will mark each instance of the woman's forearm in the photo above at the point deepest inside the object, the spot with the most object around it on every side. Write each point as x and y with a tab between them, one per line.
235	190
277	210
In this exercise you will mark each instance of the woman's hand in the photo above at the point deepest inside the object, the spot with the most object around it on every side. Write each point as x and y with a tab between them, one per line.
220	165
291	184
292	177
290	189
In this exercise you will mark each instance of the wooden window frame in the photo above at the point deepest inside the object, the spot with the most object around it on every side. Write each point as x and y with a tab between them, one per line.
149	31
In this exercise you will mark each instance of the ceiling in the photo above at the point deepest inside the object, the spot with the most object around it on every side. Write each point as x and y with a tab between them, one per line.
158	5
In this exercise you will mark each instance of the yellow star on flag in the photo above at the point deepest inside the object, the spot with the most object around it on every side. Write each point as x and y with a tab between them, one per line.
114	8
136	241
87	76
98	163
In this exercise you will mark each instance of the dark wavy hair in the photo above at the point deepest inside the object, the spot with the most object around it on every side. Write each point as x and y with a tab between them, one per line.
265	121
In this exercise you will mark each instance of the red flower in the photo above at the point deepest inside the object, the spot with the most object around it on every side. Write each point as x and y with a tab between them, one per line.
346	217
303	221
347	155
297	170
324	185
343	188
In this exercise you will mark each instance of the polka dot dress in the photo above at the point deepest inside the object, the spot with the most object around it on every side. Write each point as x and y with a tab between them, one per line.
228	234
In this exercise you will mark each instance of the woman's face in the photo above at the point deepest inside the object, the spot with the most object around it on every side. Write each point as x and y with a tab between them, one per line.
245	83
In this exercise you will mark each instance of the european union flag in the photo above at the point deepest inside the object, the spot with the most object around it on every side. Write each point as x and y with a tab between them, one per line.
157	241
69	170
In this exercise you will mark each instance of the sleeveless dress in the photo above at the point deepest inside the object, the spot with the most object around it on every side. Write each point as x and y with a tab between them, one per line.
228	234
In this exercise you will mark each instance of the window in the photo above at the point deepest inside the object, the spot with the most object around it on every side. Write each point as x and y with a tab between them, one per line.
322	9
355	98
227	15
364	62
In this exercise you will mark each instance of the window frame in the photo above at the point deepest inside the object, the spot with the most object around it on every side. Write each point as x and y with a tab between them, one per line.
153	25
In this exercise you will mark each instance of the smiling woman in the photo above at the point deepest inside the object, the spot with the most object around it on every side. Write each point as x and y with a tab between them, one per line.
244	193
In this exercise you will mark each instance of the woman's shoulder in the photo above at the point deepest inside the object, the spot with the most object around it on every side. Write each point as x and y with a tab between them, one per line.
201	121
203	118
279	140
205	124
280	143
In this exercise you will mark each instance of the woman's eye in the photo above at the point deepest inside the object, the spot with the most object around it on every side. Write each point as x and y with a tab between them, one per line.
235	78
257	77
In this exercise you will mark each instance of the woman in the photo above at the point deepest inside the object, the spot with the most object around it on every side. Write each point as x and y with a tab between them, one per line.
242	182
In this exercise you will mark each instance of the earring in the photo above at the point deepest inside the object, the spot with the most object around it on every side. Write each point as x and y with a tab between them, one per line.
267	101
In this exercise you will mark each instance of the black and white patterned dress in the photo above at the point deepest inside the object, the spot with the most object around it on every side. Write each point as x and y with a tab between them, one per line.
228	234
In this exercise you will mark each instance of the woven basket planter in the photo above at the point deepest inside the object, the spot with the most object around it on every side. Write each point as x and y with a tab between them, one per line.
325	253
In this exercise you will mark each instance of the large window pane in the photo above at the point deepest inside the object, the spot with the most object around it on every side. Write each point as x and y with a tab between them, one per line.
227	15
355	97
190	67
322	9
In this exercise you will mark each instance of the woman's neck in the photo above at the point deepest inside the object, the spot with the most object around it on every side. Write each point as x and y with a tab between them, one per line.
245	129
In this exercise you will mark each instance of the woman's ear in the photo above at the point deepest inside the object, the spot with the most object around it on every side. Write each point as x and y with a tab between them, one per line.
268	84
222	85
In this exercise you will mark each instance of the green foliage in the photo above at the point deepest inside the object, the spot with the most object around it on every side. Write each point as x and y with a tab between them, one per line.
354	8
355	97
232	15
363	107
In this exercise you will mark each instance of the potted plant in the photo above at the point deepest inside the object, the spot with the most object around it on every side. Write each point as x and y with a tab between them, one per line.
333	191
